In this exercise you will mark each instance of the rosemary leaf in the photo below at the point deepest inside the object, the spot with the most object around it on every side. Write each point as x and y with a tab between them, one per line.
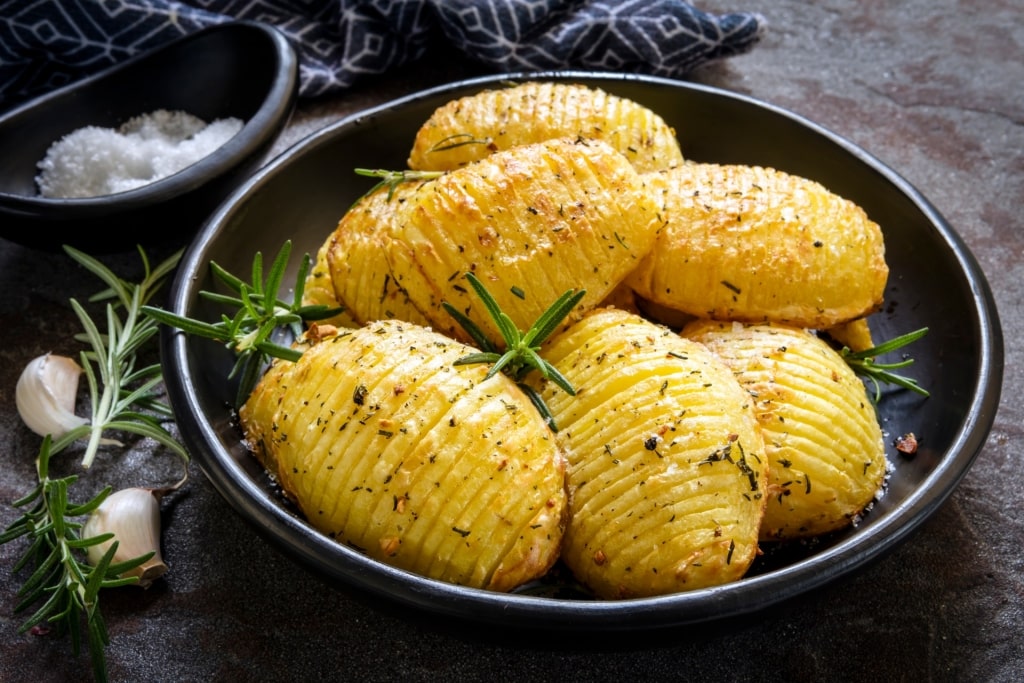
392	179
478	336
82	509
499	365
506	327
539	404
558	378
272	285
118	568
864	363
81	543
474	358
257	315
553	317
521	355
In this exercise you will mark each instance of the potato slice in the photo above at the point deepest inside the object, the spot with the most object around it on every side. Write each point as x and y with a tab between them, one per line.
822	437
854	334
666	466
470	128
387	447
755	244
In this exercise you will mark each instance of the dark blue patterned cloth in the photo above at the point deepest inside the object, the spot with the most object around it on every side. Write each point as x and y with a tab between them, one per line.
47	43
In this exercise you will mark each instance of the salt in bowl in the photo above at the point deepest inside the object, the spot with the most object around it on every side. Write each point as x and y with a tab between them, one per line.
239	69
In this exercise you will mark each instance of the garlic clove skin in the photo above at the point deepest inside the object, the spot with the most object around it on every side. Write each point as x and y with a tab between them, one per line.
46	393
133	516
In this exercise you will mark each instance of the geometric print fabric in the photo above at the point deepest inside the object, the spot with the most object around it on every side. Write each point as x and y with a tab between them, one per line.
45	44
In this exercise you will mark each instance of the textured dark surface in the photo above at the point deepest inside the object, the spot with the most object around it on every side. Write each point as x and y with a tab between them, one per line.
933	89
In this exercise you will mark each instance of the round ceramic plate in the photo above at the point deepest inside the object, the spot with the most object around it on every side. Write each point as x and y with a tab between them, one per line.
934	283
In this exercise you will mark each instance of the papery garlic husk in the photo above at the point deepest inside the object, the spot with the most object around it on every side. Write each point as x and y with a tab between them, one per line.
133	516
45	395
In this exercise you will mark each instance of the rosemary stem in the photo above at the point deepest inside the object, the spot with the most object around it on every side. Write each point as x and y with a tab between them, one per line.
100	415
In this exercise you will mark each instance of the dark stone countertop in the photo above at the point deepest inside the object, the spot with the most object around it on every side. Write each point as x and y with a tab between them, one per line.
933	88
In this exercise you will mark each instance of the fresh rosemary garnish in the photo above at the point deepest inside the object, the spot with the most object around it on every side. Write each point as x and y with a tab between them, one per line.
259	314
521	351
67	585
392	179
124	398
865	365
121	391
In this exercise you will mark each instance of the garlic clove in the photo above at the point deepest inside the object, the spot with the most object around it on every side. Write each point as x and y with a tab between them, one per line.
133	516
46	393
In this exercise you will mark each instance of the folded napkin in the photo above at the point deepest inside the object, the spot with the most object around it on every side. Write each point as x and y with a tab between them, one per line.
47	43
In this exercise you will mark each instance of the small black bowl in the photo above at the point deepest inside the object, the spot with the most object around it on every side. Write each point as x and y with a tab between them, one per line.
245	70
301	195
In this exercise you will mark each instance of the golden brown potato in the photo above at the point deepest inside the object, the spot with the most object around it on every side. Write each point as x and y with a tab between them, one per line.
387	447
357	261
822	438
855	334
666	467
755	244
319	290
472	127
531	223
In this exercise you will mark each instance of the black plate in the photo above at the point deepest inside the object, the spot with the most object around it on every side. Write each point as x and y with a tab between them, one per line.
240	69
934	282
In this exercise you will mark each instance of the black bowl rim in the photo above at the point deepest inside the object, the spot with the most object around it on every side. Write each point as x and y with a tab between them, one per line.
748	595
258	131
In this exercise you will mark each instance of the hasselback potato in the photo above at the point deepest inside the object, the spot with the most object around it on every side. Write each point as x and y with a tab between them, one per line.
756	244
318	289
827	460
356	261
389	448
666	467
530	222
472	127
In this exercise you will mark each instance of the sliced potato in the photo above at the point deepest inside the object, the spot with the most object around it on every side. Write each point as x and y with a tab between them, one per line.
357	260
755	244
319	289
389	448
822	437
666	467
473	127
531	223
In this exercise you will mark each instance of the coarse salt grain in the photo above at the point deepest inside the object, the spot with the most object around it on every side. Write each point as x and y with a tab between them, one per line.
95	161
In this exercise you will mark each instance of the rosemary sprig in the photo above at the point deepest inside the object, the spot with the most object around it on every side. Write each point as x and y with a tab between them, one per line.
67	586
392	179
521	351
865	365
124	398
258	316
